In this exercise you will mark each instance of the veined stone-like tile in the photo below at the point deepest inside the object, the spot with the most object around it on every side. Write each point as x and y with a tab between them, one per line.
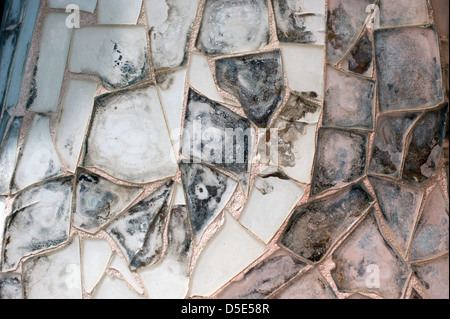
366	263
38	159
256	80
40	220
425	145
340	158
120	265
403	12
98	201
4	120
414	51
116	54
170	23
265	277
55	275
119	11
115	289
49	71
207	193
259	215
8	156
301	110
315	227
96	254
349	100
434	277
360	58
431	236
227	253
73	121
128	138
86	5
390	134
232	26
11	286
399	205
300	21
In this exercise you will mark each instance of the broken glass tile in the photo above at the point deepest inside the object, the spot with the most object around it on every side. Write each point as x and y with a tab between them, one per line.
433	276
300	109
403	12
340	158
232	26
96	254
349	100
86	5
115	289
360	58
390	134
116	54
259	215
11	286
38	159
55	275
414	51
98	201
300	21
315	227
228	253
256	80
118	11
207	193
170	23
128	138
366	263
425	145
120	265
40	220
399	204
8	155
264	278
431	236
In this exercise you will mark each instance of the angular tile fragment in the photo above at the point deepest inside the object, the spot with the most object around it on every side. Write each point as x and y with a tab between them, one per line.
349	100
55	275
179	198
431	236
98	201
315	227
300	109
360	58
116	54
128	138
403	12
232	26
425	145
119	11
40	220
256	80
115	289
340	158
11	286
433	276
271	189
170	23
264	278
207	192
366	263
415	294
73	121
230	250
86	5
118	264
414	51
399	204
8	152
38	159
96	254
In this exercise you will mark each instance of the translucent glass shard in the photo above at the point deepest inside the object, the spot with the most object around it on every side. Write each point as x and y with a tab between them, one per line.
433	277
96	254
115	289
86	5
8	152
360	58
11	286
119	11
403	12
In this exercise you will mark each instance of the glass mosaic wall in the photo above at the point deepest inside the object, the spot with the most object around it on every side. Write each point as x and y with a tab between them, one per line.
229	149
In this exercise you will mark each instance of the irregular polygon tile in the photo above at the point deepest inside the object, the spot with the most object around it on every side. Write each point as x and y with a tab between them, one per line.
120	265
227	253
232	26
340	158
390	134
349	100
315	227
264	278
399	204
415	294
38	159
170	26
404	55
49	70
360	58
116	54
259	215
98	201
169	279
73	121
433	276
11	286
8	155
366	263
207	192
40	220
55	275
85	5
403	12
431	236
425	145
115	289
96	254
300	21
119	11
300	109
128	138
256	80
310	285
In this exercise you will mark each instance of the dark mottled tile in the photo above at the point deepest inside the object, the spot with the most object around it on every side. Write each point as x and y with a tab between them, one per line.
434	277
360	58
11	286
